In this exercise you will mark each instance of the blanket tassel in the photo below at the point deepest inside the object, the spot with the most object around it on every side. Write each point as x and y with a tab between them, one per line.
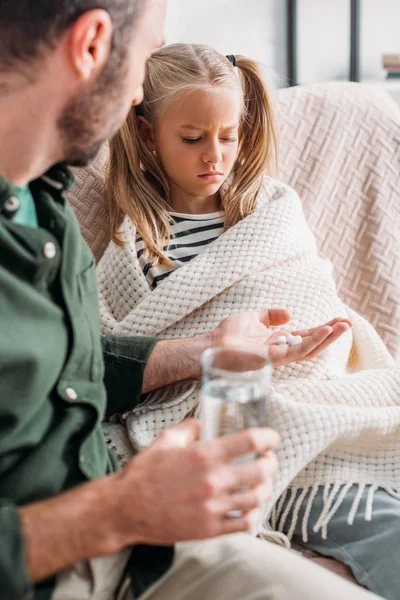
294	499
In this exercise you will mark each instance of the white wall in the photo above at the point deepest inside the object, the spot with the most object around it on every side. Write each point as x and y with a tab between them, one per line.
324	39
257	28
380	34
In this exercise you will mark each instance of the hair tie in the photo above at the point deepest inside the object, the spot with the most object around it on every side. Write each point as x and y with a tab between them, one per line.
232	59
139	110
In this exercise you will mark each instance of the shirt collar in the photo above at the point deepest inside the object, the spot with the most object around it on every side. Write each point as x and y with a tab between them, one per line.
59	177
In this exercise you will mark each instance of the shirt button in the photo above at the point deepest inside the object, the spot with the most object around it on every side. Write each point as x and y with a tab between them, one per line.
11	205
71	394
49	250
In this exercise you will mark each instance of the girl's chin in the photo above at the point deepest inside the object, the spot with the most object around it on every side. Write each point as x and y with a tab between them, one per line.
210	187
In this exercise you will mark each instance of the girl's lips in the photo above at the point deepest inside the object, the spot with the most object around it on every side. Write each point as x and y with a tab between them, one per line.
211	176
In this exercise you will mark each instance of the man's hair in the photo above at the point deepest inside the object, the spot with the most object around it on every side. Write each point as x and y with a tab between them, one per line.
29	27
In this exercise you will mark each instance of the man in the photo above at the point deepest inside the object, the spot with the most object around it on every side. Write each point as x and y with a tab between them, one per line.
68	518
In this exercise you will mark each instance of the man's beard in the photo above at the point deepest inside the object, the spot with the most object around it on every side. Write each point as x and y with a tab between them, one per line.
93	117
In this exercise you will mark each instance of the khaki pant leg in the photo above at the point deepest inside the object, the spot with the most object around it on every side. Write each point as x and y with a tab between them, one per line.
239	567
96	579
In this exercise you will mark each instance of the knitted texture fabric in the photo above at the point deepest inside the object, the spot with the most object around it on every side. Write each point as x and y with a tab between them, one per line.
338	414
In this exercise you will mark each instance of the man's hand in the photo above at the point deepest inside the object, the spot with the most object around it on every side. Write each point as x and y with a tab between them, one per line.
175	360
177	490
252	328
315	340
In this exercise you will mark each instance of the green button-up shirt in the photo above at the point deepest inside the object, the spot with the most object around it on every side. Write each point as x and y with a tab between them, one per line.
52	375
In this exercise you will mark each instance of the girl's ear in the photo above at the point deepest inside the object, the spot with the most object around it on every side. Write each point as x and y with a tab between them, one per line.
146	133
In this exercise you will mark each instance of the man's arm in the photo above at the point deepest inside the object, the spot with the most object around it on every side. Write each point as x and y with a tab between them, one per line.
136	365
125	360
139	503
169	361
175	360
70	527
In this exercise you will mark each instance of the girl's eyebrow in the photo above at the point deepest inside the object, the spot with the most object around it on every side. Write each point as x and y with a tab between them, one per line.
198	128
190	127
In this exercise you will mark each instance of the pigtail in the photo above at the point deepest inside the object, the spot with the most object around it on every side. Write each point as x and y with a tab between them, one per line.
258	147
137	187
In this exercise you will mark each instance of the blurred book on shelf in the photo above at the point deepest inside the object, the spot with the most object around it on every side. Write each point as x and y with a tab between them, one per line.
391	63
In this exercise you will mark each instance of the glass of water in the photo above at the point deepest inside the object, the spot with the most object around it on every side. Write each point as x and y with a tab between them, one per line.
234	389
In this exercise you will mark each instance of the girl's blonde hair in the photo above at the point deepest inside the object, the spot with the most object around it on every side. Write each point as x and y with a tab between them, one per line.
136	183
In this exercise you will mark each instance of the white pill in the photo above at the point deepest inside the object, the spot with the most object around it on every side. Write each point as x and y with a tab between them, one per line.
281	340
294	340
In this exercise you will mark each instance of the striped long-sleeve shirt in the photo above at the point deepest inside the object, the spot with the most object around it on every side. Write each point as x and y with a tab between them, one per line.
190	235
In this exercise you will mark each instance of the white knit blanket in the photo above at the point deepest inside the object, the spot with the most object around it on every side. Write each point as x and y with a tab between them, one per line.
338	414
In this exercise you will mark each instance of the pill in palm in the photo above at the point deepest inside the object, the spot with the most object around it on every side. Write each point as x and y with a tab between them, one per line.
294	340
281	340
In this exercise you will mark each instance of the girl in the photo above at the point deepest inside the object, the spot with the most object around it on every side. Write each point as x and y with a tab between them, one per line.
200	232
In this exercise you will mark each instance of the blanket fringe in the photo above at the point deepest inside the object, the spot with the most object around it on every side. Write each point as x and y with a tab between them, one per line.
392	492
296	512
307	512
355	505
288	506
370	500
292	501
336	505
328	500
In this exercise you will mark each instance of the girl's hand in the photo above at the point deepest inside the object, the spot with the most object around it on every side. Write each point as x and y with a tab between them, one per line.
252	329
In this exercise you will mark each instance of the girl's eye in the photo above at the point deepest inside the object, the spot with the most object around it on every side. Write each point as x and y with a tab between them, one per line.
195	140
190	140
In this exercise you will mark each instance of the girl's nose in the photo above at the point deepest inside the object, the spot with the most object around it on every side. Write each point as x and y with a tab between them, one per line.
213	154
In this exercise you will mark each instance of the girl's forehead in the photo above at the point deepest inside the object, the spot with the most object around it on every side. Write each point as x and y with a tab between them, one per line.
204	107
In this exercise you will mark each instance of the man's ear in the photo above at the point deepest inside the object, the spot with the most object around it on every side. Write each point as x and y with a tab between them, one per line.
147	133
89	43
